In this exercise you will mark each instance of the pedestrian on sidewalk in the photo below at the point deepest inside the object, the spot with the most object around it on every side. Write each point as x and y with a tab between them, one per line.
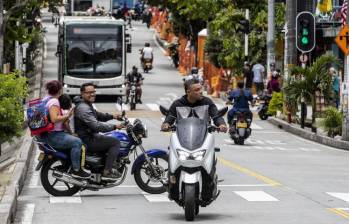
335	86
248	75
258	77
273	84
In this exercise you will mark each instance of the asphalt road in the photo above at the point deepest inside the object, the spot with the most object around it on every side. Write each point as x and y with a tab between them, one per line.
275	177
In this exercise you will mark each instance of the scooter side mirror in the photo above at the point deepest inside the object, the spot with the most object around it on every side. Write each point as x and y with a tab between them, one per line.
163	110
216	149
222	112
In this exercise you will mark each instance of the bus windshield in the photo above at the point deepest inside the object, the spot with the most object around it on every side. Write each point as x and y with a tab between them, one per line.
94	52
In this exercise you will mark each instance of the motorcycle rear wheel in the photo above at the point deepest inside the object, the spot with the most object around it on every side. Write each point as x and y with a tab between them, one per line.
52	188
189	202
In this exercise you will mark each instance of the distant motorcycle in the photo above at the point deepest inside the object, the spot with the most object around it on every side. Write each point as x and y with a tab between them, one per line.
147	65
134	97
240	128
149	168
262	109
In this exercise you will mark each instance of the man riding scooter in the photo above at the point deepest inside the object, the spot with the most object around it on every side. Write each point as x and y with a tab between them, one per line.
134	77
147	57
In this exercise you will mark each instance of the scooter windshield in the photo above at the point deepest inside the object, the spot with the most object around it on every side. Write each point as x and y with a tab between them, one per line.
192	126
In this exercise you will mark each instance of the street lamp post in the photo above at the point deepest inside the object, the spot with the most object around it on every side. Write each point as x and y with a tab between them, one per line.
270	36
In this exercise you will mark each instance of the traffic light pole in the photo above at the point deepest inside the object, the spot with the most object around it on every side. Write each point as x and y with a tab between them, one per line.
345	93
247	17
271	36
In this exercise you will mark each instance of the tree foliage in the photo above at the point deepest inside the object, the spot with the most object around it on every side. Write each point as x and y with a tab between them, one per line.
13	89
305	82
225	44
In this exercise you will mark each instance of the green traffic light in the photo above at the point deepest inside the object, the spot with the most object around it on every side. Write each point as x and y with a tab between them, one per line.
305	40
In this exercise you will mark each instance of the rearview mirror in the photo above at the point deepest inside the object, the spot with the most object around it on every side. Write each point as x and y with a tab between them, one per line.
222	112
163	110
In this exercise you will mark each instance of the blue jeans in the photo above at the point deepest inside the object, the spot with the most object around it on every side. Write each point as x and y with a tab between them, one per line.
62	140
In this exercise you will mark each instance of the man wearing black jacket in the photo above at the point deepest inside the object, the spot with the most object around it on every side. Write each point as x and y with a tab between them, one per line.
88	123
193	98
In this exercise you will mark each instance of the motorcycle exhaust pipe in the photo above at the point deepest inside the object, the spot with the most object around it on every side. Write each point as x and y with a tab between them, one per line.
68	179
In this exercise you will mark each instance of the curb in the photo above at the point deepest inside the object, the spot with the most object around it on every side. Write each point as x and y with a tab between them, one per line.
309	135
8	204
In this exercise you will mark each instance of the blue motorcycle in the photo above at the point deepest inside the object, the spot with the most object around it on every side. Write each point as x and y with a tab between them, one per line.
149	168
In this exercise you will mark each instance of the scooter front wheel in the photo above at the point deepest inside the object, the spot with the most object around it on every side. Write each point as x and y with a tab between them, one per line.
190	202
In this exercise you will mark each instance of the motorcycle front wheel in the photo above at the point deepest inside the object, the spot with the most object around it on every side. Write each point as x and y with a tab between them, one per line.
145	178
190	206
51	184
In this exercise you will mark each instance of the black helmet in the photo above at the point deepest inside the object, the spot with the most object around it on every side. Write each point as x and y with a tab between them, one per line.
194	70
147	44
134	68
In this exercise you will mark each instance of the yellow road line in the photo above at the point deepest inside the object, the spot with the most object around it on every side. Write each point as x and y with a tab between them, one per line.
248	172
339	212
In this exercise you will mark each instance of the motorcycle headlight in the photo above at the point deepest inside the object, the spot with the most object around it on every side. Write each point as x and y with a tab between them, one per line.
183	155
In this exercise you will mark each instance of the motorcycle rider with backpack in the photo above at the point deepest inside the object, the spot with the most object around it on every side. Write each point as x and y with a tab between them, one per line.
58	138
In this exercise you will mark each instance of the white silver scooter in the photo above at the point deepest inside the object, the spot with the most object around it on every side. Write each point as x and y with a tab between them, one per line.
192	180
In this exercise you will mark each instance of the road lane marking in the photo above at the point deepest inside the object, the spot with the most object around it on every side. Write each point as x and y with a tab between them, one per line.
342	196
72	199
153	106
248	172
255	126
255	196
28	214
156	197
340	212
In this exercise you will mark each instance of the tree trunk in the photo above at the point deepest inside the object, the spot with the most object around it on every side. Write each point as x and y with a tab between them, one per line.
1	37
313	115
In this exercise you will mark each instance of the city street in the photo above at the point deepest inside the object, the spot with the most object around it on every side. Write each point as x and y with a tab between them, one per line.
275	177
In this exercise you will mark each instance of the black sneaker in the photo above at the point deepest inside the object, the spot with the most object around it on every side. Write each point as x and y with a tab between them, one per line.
112	175
139	101
80	174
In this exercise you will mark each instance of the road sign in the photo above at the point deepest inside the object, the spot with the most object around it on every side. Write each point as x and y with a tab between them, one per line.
303	58
342	39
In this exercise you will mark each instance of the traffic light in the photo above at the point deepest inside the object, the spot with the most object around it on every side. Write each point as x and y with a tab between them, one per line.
305	36
245	26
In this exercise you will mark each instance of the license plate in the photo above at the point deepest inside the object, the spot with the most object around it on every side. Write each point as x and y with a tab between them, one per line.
241	125
41	156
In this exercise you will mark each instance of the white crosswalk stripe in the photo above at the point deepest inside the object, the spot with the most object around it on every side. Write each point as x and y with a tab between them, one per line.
73	199
342	196
255	196
156	197
153	106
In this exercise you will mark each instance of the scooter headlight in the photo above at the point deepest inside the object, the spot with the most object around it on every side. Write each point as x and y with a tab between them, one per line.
183	155
199	155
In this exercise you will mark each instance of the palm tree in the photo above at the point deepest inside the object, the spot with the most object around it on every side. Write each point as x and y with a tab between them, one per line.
305	82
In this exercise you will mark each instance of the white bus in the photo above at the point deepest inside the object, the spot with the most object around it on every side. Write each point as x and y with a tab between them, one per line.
92	49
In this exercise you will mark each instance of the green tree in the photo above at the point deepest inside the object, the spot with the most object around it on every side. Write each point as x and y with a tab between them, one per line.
13	89
305	82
